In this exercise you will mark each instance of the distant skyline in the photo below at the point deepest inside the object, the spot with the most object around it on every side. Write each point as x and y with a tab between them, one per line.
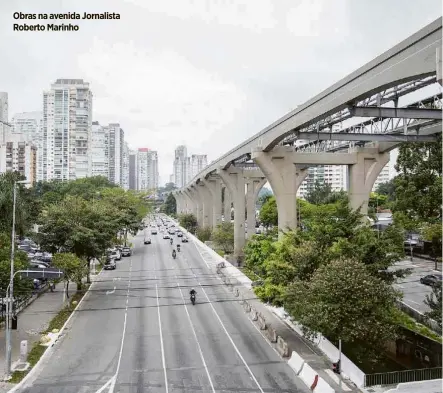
204	74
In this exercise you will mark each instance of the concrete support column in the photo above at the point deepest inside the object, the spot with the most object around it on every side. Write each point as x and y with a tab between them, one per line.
285	179
198	205
363	174
439	65
189	202
179	202
227	205
214	187
235	182
253	187
206	198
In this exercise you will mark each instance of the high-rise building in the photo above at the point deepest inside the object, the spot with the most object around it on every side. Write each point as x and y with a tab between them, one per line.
132	170
198	163
99	150
181	166
116	145
67	123
147	169
20	156
29	126
125	167
4	107
171	179
335	175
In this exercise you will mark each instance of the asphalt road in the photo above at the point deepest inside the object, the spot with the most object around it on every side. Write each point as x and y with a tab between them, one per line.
137	331
414	292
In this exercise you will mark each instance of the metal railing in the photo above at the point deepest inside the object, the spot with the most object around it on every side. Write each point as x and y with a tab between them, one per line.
395	377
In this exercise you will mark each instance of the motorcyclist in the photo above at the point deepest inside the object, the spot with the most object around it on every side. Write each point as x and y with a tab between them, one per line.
174	254
178	247
171	241
192	292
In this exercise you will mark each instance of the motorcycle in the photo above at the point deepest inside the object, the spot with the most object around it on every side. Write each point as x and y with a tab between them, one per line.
174	254
178	247
193	299
52	286
171	241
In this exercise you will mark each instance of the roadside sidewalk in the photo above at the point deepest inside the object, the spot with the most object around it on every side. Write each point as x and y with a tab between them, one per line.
32	320
311	354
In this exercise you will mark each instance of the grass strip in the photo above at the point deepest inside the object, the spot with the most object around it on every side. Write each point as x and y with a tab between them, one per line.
57	322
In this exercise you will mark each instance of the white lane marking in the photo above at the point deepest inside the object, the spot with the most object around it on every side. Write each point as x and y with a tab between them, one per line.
161	339
231	340
195	335
111	383
336	379
109	292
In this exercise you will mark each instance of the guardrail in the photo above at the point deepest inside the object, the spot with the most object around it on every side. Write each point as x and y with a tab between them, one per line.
395	377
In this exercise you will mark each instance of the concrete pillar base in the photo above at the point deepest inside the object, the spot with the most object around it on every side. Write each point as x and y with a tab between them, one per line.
235	182
253	187
206	198
363	174
214	187
285	179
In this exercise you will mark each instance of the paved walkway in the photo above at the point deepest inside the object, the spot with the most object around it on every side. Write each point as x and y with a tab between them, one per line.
32	321
312	355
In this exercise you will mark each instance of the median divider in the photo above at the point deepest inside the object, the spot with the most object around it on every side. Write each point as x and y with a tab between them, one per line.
254	314
282	347
309	376
323	386
261	322
271	334
296	362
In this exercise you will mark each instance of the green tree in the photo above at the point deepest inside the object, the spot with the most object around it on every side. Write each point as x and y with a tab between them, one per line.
188	221
387	188
434	302
73	267
269	213
433	234
26	207
223	237
257	250
344	301
22	286
322	194
418	186
204	234
170	205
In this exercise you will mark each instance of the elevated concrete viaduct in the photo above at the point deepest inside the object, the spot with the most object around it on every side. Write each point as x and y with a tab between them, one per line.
413	64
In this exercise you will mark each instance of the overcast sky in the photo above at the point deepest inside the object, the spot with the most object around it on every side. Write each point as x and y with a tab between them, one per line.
204	73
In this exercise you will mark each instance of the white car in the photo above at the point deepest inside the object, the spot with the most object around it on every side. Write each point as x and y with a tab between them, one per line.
165	236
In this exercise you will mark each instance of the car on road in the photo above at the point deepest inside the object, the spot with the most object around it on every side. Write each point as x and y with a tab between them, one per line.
153	231
185	239
147	240
110	264
126	251
165	236
116	254
431	279
179	234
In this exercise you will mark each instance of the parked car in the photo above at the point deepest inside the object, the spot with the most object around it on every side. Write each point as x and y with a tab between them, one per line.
431	279
185	239
116	254
110	264
147	240
126	251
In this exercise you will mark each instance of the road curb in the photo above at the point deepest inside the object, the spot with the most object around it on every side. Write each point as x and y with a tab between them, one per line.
50	349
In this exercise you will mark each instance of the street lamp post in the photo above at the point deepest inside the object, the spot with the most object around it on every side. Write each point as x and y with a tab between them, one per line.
9	302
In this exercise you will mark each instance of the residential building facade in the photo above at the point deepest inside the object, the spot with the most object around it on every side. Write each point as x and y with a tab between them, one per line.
132	170
198	163
99	151
147	169
18	155
67	124
116	145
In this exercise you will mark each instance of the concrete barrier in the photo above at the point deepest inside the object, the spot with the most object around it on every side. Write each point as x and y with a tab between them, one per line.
236	292
323	387
282	347
254	314
246	306
261	322
308	375
296	362
271	334
220	265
